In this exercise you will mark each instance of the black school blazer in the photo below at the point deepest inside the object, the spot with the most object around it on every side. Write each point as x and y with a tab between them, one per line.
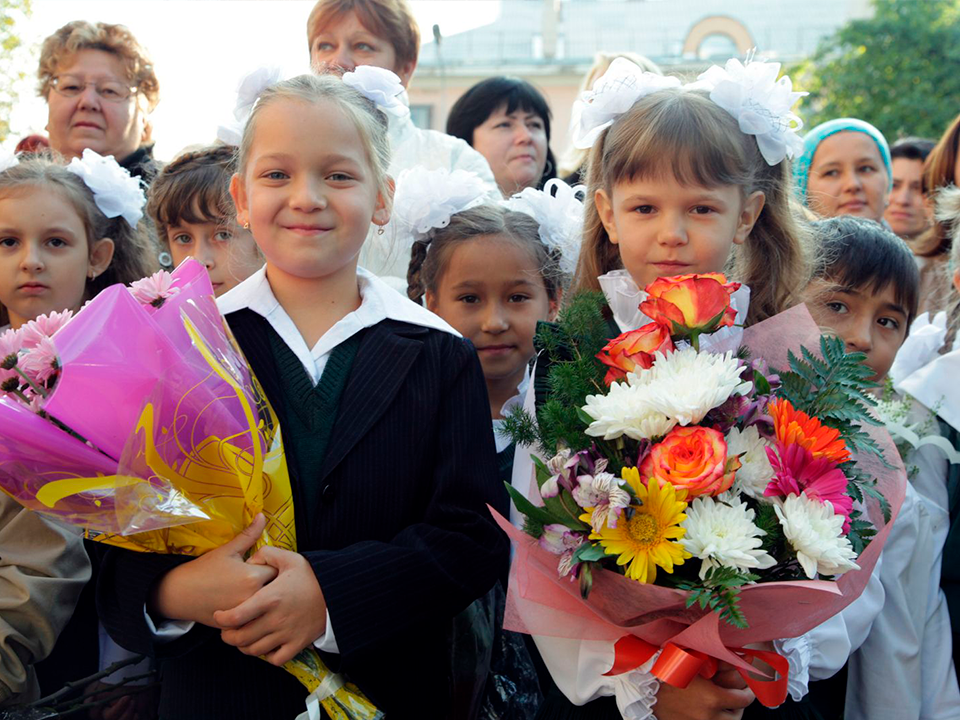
401	539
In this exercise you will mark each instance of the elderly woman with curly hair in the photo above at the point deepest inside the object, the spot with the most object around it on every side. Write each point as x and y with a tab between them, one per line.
100	87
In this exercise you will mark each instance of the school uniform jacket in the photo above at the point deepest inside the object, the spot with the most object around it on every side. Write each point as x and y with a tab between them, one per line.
399	537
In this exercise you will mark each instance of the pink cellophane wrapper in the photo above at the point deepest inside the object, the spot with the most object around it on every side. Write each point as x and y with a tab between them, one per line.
541	603
177	442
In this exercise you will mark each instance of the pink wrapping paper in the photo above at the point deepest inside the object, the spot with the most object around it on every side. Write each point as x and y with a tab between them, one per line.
541	603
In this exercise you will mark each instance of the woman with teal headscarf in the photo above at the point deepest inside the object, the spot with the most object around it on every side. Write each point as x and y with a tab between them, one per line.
845	169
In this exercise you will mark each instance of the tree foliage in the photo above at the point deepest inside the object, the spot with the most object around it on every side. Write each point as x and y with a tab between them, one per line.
899	70
12	15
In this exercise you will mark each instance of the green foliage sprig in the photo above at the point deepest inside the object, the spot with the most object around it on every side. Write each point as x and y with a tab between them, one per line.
720	591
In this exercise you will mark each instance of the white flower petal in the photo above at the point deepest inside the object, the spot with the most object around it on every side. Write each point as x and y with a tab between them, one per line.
815	532
724	533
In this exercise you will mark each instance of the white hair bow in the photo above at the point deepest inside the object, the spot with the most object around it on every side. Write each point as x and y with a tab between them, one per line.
559	212
613	94
249	89
380	86
760	102
115	191
427	199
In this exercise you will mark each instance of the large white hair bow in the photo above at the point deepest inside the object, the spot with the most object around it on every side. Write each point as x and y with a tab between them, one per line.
8	160
761	104
115	191
380	86
249	89
427	199
613	94
559	212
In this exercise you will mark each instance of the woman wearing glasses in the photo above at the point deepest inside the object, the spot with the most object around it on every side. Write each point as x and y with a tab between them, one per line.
100	87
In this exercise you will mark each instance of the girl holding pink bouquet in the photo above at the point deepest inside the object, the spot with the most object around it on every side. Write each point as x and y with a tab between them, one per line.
384	419
677	187
66	232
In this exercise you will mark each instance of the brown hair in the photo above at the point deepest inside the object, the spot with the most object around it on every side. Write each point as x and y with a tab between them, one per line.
193	188
391	20
47	171
684	133
117	39
947	213
430	255
371	124
939	172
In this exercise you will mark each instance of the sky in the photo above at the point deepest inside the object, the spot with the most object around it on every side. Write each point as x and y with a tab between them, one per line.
201	48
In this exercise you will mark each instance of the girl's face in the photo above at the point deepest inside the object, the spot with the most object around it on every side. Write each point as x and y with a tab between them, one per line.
225	249
847	177
308	192
495	304
45	259
515	146
108	126
870	322
663	228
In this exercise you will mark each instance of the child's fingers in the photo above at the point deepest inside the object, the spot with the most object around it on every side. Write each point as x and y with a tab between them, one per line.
246	538
264	646
267	555
246	612
283	654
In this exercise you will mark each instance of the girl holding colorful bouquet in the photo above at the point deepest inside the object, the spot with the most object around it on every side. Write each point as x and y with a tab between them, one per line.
191	207
676	187
384	416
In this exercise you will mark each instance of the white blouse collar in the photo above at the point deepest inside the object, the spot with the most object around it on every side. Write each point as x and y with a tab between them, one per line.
378	301
624	298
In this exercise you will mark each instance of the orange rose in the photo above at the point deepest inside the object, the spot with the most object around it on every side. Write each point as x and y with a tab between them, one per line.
693	458
634	349
689	305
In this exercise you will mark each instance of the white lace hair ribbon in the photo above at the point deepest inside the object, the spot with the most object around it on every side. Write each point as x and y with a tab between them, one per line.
427	199
249	89
380	86
613	94
115	191
559	212
8	160
760	102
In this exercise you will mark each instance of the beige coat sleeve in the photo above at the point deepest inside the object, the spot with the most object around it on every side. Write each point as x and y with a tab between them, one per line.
43	568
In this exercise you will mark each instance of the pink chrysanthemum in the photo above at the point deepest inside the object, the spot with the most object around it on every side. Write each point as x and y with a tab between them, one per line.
154	290
11	343
41	363
44	326
796	470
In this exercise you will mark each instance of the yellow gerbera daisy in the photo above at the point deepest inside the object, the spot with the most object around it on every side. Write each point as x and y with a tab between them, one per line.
646	540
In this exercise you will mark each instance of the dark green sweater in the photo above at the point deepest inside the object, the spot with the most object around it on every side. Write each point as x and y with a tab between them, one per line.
309	411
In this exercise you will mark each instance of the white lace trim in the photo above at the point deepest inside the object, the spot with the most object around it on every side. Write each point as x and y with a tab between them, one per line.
797	652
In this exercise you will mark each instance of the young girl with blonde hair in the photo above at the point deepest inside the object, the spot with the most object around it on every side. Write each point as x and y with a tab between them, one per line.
386	435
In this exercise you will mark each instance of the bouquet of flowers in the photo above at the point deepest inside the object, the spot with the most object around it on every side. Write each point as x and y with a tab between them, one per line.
694	496
139	420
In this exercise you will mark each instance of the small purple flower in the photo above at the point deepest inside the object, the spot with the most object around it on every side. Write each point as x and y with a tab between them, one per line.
562	466
558	539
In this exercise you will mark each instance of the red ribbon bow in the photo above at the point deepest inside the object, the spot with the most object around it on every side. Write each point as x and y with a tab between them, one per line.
678	666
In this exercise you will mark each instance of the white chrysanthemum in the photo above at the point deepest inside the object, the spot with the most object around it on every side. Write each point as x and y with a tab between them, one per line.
755	471
815	531
724	534
626	410
685	384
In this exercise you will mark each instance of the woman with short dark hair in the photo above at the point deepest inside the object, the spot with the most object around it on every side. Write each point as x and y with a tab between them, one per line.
507	120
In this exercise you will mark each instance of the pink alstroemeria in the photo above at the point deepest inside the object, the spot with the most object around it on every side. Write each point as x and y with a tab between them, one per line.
601	492
11	343
44	326
796	470
41	363
154	290
560	466
560	540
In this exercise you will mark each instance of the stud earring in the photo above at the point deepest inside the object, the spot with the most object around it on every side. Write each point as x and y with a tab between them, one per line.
380	230
246	226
